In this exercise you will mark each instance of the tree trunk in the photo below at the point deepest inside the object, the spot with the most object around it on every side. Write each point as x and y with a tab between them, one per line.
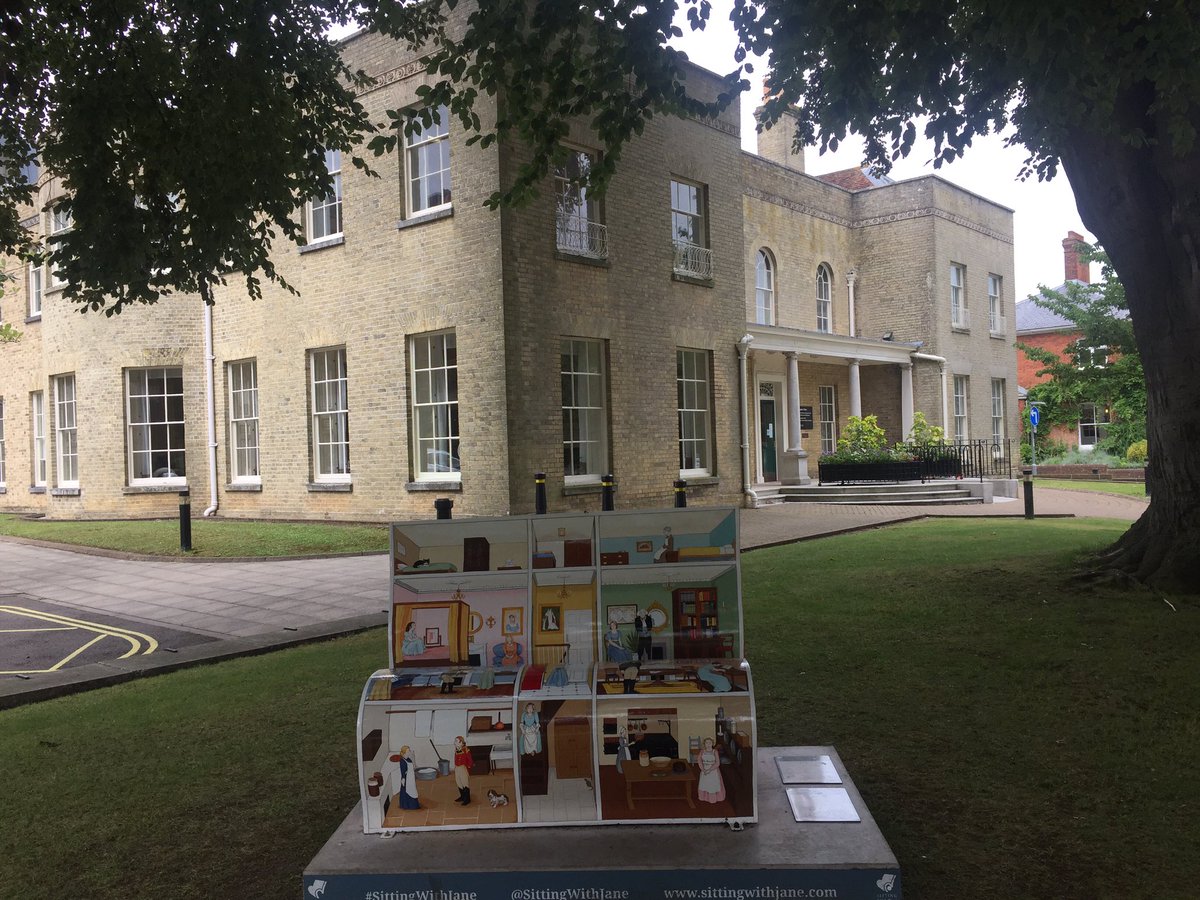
1143	204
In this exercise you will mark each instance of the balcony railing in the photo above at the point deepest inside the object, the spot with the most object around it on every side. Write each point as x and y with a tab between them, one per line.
580	237
692	260
998	325
960	317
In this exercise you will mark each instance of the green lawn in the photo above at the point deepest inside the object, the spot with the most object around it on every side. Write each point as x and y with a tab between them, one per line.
1125	488
1015	734
210	538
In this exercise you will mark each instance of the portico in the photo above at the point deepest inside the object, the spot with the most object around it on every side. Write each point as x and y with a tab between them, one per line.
801	387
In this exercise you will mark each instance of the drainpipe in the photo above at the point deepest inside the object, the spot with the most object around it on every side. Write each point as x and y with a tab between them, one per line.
941	361
211	402
743	350
850	276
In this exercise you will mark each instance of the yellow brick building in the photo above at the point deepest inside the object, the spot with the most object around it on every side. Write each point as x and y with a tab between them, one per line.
675	327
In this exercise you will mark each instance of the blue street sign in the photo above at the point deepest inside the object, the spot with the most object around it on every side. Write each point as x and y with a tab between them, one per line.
1034	416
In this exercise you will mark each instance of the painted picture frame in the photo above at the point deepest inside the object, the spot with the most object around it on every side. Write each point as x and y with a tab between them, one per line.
550	618
645	546
623	614
513	620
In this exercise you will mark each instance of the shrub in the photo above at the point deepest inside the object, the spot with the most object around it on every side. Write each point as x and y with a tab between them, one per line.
1047	449
863	441
1136	453
924	433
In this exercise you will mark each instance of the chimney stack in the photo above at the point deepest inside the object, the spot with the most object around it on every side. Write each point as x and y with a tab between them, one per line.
1075	268
775	143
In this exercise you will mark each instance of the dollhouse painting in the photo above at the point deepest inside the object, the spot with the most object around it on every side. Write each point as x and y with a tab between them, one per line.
676	757
558	670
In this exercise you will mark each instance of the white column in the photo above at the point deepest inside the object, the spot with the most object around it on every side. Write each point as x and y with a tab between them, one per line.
793	400
855	390
743	351
906	398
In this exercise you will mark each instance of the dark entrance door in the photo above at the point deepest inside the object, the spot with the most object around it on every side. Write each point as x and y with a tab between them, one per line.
767	432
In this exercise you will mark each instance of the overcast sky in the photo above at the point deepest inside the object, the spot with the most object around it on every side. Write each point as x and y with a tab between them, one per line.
1043	211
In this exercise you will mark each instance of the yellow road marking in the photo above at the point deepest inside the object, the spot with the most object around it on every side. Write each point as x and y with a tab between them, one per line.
133	638
30	630
97	639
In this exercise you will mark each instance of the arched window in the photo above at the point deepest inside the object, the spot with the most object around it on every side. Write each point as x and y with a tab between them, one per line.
824	304
764	289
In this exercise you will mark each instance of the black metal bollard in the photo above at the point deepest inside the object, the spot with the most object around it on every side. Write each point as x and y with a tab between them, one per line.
185	520
680	493
606	493
443	505
1028	473
539	493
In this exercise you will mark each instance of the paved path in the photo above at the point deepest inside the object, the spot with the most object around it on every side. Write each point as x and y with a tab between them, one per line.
255	606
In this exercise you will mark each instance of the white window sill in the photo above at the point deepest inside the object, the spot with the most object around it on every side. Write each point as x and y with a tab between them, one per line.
330	487
424	216
65	491
173	487
698	479
453	485
334	240
36	317
244	486
3	489
37	489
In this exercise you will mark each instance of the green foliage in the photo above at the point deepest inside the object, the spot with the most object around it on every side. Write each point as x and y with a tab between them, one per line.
8	332
1136	453
1113	378
862	441
211	538
922	433
1047	448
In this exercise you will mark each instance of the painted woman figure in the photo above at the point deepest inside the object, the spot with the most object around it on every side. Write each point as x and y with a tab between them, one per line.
408	780
412	645
711	787
612	645
623	754
462	770
531	731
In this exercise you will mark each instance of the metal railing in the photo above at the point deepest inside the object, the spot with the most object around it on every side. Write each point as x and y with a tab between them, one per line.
997	325
582	238
693	260
971	459
960	317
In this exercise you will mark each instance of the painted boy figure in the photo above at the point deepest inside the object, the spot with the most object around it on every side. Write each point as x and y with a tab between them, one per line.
641	627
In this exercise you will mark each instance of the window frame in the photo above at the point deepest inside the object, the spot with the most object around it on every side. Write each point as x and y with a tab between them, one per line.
584	414
333	164
36	272
167	422
999	418
959	316
236	398
446	436
827	427
995	303
1098	425
961	400
701	369
574	205
320	410
38	439
58	225
437	132
1085	357
764	295
66	431
824	279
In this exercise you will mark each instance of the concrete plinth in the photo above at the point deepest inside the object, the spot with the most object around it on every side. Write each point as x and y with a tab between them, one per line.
777	858
793	467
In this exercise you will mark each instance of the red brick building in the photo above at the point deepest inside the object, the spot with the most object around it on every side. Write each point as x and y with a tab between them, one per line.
1038	327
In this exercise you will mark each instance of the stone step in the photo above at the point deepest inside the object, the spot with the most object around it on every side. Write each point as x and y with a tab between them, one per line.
959	499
